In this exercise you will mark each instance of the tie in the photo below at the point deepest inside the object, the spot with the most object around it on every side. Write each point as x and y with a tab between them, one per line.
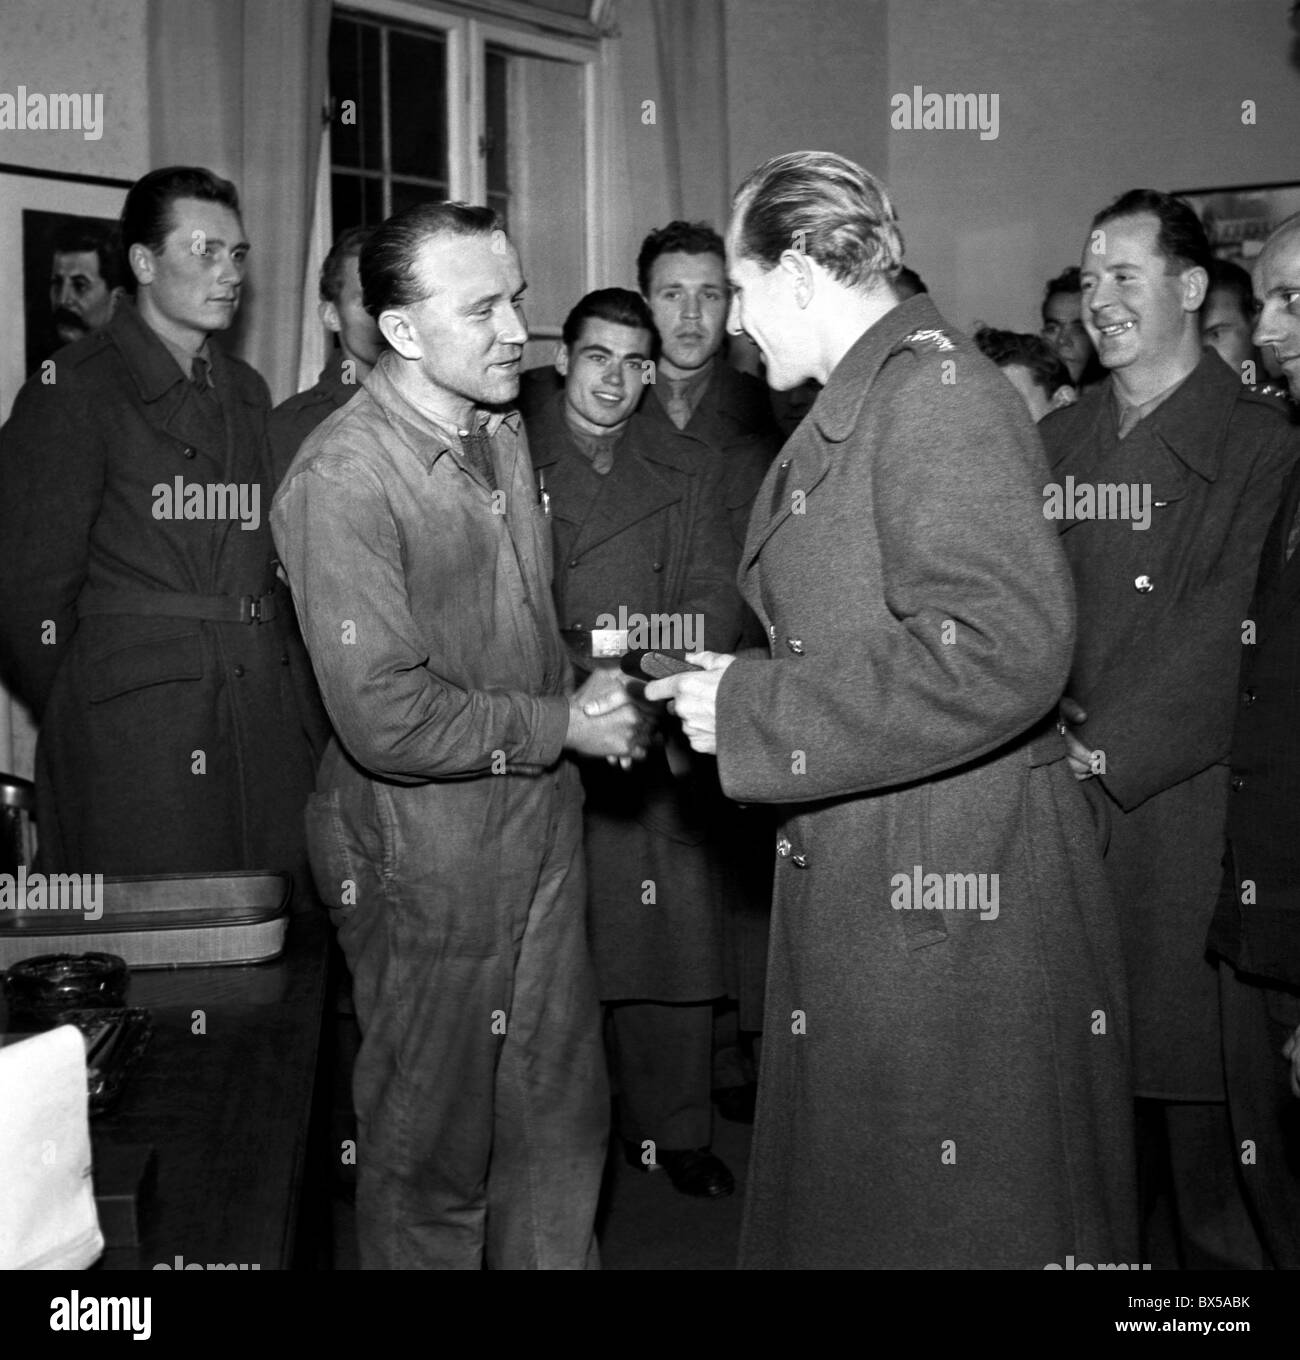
476	450
201	374
678	408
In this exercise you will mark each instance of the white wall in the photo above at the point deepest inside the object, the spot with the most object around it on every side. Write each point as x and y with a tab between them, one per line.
1095	97
806	76
83	46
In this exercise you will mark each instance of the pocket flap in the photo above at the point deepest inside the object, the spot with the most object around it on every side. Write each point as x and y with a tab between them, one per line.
138	665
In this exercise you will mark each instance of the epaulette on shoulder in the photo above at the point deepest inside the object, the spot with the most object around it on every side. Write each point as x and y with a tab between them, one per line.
932	339
1269	398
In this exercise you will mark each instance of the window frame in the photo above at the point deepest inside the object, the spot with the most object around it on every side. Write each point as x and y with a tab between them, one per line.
515	27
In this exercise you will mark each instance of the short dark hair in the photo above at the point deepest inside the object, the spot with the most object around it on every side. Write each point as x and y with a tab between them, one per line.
1014	347
388	258
620	306
908	283
1228	277
688	238
99	239
147	216
824	205
348	245
1180	237
1067	281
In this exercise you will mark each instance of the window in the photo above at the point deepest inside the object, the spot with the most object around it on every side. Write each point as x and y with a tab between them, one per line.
428	104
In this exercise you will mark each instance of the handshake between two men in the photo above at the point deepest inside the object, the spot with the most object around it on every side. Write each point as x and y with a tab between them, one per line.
613	714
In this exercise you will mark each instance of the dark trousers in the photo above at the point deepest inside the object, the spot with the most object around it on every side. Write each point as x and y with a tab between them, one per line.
480	1088
662	1058
1257	1020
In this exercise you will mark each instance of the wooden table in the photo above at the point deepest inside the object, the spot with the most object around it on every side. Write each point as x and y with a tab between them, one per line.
225	1096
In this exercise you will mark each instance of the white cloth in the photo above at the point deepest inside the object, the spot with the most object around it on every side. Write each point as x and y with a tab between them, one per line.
48	1219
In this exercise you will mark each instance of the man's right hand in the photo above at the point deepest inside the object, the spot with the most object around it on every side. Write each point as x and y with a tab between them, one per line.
606	720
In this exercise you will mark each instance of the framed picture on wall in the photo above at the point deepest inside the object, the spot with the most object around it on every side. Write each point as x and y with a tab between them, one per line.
63	230
1238	221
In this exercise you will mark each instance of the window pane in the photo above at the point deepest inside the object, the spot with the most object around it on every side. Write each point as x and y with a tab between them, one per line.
356	133
417	83
345	201
497	121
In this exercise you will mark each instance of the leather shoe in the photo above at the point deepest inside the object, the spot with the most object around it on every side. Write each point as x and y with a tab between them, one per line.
736	1103
697	1172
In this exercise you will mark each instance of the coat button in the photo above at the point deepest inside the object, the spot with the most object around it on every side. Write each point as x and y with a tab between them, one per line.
239	672
1248	696
1237	783
656	566
785	463
783	846
284	658
795	645
799	861
188	453
573	561
1144	584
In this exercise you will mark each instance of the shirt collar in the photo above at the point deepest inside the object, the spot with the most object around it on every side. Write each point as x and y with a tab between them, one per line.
429	438
185	358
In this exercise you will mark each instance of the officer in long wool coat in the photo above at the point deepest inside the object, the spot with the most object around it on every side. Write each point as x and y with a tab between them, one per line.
943	1085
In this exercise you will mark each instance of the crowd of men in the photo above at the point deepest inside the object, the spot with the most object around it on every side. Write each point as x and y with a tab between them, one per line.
930	640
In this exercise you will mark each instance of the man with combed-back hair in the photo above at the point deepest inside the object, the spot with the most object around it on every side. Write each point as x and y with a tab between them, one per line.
944	1079
446	830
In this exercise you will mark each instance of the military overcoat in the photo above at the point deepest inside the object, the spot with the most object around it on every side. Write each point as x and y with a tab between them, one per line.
168	744
649	537
942	1084
1161	617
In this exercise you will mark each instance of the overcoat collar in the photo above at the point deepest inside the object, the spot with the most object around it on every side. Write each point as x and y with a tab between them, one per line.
151	365
634	488
840	402
1192	424
835	414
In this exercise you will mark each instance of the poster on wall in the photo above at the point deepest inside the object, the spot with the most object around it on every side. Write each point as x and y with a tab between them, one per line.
1238	221
63	229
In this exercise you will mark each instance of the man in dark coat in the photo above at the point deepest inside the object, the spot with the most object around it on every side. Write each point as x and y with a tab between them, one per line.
641	545
1256	927
343	313
1164	479
944	1079
140	614
681	271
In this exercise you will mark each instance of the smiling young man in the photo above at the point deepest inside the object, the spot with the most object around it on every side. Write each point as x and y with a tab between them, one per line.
151	642
1153	687
640	531
446	829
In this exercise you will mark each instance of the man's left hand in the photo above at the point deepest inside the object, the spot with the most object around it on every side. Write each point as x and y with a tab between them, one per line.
693	697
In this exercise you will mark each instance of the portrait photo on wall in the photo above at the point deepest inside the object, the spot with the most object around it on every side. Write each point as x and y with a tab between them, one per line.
1238	221
64	230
